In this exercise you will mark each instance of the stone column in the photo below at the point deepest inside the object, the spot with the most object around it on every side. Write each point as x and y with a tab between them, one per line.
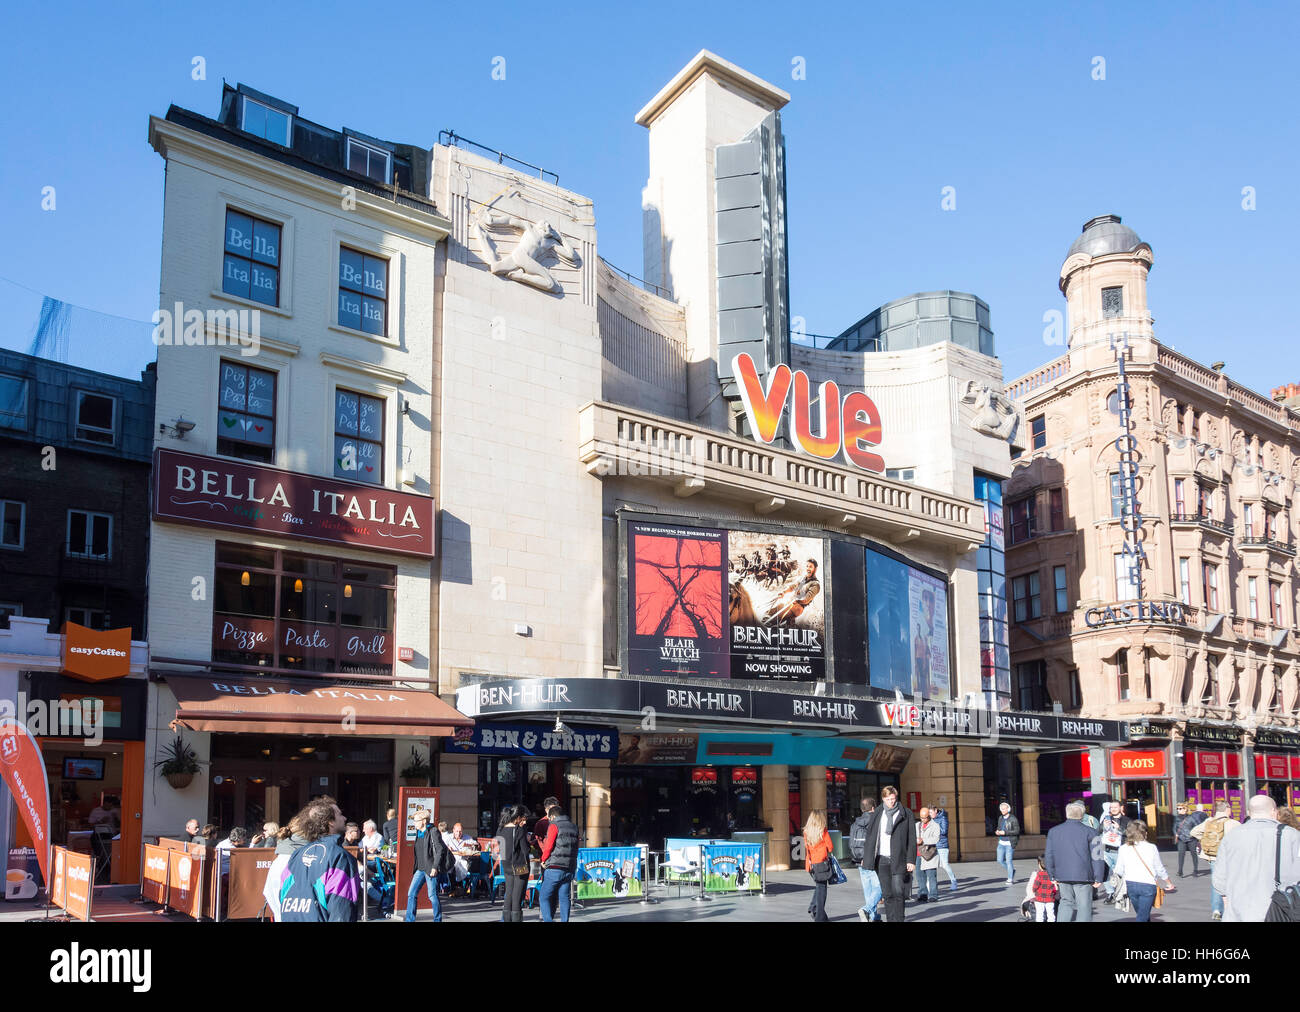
812	790
1029	785
598	781
776	813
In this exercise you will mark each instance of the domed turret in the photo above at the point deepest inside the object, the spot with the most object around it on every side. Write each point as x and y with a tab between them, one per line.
1104	280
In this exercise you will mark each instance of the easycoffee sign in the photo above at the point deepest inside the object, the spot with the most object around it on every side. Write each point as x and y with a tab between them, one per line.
211	492
95	655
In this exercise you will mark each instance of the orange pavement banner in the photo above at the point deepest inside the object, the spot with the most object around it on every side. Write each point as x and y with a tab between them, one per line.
23	768
153	884
94	655
80	884
185	873
59	883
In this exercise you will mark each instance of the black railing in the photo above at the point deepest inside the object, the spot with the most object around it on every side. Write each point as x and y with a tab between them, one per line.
642	283
451	138
1272	544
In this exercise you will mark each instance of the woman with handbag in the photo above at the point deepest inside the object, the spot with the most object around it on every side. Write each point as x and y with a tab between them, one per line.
817	861
1139	865
927	852
513	852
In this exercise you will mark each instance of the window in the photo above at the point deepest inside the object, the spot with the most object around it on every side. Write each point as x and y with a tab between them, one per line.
1056	508
1275	615
95	416
1248	519
1210	697
13	517
1210	586
1022	519
267	123
1180	419
363	292
246	413
1031	686
1274	706
1180	502
1121	675
1112	301
1270	524
1146	672
1024	595
1062	595
251	269
91	618
1076	690
8	608
90	535
368	161
1116	496
1038	431
901	473
13	403
1126	577
1252	597
1185	580
1204	501
358	437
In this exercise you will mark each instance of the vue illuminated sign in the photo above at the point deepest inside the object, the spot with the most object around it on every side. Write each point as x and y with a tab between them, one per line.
851	423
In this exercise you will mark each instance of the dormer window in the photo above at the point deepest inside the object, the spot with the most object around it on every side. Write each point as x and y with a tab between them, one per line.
96	414
267	123
1112	302
368	161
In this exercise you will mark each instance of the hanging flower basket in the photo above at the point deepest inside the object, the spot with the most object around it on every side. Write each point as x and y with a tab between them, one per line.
179	781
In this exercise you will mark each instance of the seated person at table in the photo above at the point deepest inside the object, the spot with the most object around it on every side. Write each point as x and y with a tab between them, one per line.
267	837
460	869
390	826
238	838
191	831
352	835
207	836
372	840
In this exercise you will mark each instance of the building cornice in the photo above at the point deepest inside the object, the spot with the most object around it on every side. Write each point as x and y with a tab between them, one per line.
365	368
705	62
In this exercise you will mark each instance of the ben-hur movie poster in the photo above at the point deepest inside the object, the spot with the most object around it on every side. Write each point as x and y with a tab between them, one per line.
776	606
676	582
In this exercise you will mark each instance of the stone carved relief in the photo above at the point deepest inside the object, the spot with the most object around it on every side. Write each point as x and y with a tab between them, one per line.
1239	447
536	241
1169	414
995	415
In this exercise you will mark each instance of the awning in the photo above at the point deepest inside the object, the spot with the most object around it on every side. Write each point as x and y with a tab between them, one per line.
298	706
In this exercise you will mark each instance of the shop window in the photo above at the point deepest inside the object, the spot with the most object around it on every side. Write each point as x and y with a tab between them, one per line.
1024	595
1038	432
13	523
267	123
358	437
13	403
246	413
1062	594
368	161
96	415
1022	519
90	535
1112	301
363	291
251	268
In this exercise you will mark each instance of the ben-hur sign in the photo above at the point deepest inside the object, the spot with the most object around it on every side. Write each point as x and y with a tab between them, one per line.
211	492
1167	612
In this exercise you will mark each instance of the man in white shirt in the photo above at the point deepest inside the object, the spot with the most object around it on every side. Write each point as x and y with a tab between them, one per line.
373	839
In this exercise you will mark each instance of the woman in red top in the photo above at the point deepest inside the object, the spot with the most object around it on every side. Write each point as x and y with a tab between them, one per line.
817	861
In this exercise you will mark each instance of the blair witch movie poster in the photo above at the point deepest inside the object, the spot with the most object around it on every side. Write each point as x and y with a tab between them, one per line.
676	583
776	606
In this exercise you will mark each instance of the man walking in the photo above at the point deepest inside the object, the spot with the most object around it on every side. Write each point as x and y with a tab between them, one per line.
941	818
1184	823
431	859
871	894
1211	833
320	881
1251	864
891	850
559	862
1073	864
1113	824
1008	834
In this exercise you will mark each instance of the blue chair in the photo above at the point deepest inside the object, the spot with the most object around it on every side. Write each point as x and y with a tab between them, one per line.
479	875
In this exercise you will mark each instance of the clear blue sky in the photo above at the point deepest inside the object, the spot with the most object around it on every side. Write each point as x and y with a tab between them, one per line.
1199	101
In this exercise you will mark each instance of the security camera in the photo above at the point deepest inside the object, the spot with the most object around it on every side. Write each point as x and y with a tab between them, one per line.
184	425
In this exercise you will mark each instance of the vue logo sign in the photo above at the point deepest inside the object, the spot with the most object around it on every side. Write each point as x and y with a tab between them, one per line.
851	424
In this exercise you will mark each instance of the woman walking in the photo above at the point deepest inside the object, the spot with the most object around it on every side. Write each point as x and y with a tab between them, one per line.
1139	865
513	851
927	852
817	861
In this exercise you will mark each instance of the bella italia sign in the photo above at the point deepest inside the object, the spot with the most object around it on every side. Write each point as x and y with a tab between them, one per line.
210	492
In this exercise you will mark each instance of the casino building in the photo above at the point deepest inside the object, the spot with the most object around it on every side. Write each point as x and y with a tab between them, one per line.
1151	552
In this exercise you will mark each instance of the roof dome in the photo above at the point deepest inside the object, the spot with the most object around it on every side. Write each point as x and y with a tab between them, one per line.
1104	234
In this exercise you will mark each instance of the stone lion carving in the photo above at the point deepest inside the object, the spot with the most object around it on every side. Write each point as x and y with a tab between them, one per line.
995	415
522	263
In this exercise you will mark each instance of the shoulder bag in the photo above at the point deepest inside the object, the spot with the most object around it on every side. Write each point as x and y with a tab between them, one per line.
1160	892
1285	905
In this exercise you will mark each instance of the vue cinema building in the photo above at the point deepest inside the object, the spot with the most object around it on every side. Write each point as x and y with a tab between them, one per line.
1151	546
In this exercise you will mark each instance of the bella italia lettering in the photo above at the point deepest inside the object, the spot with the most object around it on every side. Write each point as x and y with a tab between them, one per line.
335	504
271	690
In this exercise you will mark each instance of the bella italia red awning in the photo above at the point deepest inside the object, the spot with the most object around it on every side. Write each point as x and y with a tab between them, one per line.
256	705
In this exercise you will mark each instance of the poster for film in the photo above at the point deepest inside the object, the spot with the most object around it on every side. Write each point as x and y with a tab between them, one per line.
928	610
776	606
676	582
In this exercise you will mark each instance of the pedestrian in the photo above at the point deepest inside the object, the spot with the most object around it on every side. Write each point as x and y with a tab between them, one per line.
1255	862
512	852
817	844
431	860
1008	834
1211	833
1113	825
543	825
891	850
320	879
559	862
1044	893
1088	818
941	817
1287	817
927	852
1184	822
1138	864
869	911
1073	861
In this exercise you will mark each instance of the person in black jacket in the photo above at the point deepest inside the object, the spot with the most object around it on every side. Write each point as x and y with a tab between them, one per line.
431	859
190	832
1183	826
512	840
390	826
1008	834
890	848
1074	864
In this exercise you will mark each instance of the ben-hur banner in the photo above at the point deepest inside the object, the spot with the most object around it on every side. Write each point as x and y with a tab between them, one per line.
249	497
715	603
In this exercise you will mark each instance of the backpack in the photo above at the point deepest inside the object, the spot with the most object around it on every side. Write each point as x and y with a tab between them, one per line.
1212	837
858	838
1285	905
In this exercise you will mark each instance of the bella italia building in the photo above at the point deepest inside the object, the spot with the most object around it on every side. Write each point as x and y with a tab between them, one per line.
664	588
1151	547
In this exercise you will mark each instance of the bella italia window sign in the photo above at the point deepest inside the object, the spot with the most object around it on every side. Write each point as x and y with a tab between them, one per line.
206	491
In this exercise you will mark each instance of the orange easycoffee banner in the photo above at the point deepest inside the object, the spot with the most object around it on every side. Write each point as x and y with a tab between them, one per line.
96	656
153	884
23	768
185	892
59	883
79	884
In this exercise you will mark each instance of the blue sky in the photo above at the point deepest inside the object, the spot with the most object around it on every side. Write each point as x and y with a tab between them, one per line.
1198	102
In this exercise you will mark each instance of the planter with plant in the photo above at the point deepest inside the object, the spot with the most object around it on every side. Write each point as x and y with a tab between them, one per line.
417	770
178	763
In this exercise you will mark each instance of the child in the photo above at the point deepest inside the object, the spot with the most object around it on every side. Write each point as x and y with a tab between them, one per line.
1044	894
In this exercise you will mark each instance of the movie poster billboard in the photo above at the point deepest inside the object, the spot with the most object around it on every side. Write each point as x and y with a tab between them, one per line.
928	613
907	629
776	606
608	873
732	867
676	581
